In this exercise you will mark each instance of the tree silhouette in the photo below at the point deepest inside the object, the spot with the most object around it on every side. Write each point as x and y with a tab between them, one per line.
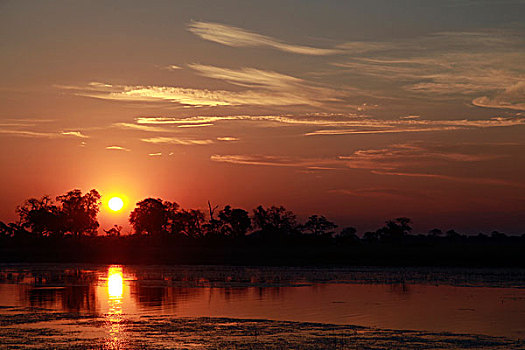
435	232
171	209
80	211
74	213
274	220
319	226
395	229
498	235
5	230
188	223
234	222
348	235
42	217
213	228
371	236
154	216
150	216
452	234
43	224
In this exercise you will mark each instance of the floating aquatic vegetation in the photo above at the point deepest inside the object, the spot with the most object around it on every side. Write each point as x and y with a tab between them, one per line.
228	333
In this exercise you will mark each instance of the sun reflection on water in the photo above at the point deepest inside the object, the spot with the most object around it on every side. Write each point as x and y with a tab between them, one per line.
115	286
115	283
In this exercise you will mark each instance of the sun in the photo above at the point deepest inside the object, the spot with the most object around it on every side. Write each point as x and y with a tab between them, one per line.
115	203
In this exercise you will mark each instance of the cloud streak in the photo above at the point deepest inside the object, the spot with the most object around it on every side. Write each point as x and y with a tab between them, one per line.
228	139
469	180
277	161
331	125
141	127
262	88
415	160
74	133
378	192
375	126
117	148
445	65
512	97
399	156
41	134
177	141
238	37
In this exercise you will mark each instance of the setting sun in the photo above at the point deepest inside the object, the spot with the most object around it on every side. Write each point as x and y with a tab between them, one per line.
115	203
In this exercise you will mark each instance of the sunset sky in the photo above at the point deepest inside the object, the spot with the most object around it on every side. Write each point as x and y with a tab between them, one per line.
358	110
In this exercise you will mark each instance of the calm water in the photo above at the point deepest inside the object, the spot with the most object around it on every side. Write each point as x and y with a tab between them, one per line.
113	304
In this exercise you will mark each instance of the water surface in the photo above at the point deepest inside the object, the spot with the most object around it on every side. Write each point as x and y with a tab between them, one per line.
189	306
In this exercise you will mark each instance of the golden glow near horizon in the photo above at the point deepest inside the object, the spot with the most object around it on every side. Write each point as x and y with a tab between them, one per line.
115	203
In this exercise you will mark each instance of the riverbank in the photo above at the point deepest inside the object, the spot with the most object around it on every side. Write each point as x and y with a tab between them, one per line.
412	251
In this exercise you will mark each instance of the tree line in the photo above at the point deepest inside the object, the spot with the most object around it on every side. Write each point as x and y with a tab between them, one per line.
75	214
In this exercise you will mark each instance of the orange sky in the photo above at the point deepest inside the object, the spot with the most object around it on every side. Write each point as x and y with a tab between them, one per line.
360	111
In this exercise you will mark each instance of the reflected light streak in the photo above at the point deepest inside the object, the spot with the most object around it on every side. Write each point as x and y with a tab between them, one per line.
115	287
115	283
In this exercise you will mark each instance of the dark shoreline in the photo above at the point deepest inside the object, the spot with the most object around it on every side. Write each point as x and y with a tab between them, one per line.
412	251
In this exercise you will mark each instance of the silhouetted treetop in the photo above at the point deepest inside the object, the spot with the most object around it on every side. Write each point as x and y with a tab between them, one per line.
435	232
274	220
188	223
395	229
80	211
42	216
234	222
74	213
348	234
319	226
152	216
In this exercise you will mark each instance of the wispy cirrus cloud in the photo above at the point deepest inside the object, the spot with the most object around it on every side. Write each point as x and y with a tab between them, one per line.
74	133
512	97
376	126
417	160
390	130
228	139
173	67
263	88
41	134
28	133
307	164
194	125
177	141
257	160
141	127
469	180
117	148
447	65
337	124
400	156
238	37
410	160
379	192
308	120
